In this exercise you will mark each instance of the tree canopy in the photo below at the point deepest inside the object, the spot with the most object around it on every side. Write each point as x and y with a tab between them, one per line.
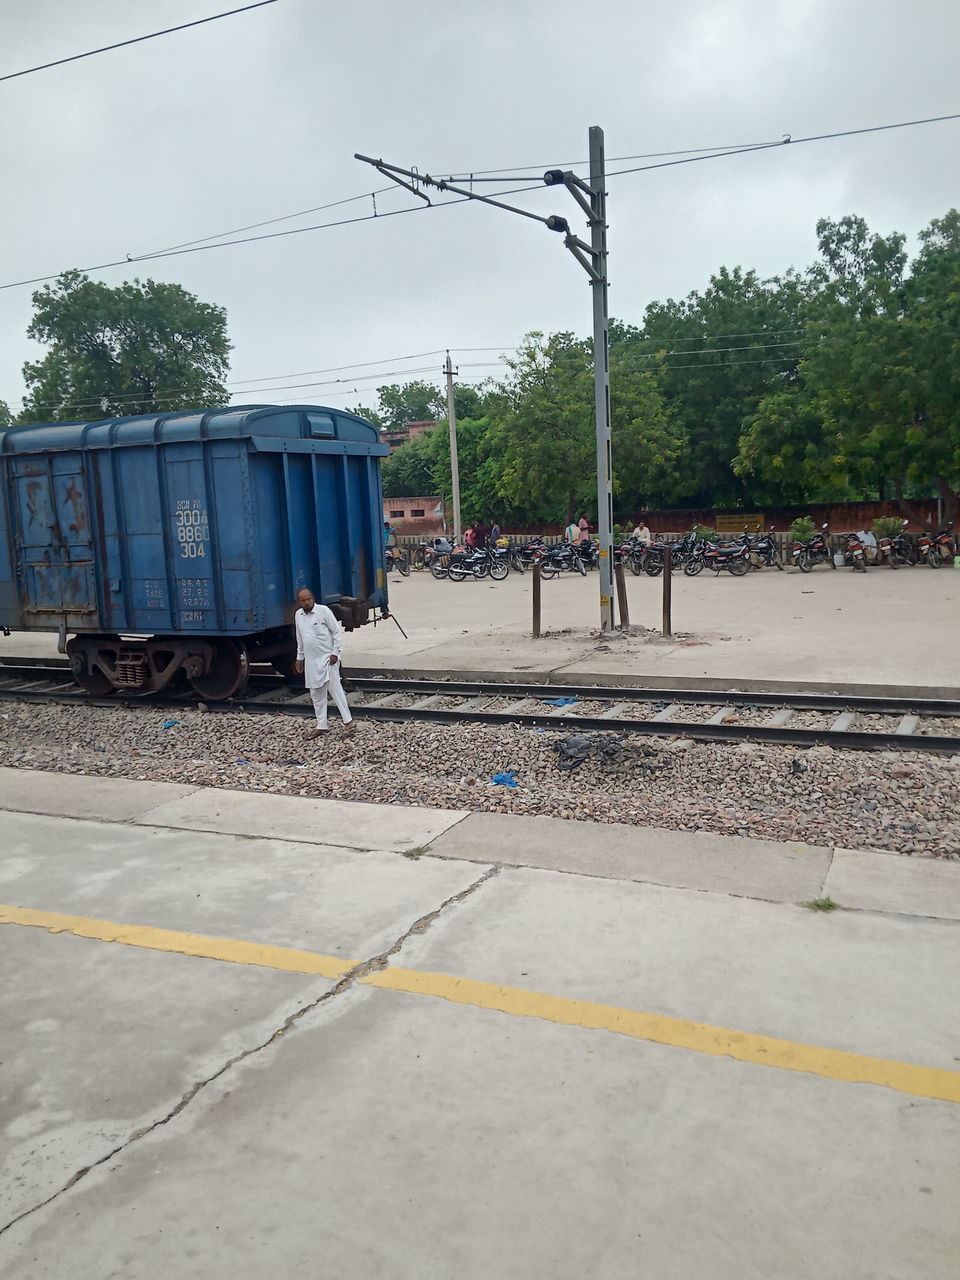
142	347
840	381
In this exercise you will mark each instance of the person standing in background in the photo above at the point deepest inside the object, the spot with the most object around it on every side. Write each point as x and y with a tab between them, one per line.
583	524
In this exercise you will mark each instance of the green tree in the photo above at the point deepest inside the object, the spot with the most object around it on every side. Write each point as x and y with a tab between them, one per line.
544	431
138	348
721	352
6	417
545	435
408	402
480	458
879	383
410	470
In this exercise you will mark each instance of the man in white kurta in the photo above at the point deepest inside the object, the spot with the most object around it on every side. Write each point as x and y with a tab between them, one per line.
319	643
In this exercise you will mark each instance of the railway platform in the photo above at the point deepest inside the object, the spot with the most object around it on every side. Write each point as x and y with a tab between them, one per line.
253	1035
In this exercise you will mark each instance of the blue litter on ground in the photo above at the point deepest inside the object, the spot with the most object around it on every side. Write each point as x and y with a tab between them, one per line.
560	702
508	779
168	724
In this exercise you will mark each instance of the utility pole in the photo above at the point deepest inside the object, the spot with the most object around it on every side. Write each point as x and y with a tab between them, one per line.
454	459
601	374
592	199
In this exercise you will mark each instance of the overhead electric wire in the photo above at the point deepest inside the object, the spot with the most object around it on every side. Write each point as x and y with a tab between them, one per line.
339	368
706	351
733	364
749	333
172	393
273	235
480	174
292	231
787	141
269	222
121	44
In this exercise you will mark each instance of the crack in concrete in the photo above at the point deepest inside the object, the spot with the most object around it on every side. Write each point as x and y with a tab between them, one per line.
372	965
826	874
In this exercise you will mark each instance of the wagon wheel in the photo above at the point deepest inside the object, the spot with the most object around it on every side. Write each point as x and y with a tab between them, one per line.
229	675
93	680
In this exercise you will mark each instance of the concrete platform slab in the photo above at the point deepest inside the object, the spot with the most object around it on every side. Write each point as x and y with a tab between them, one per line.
884	882
332	822
307	896
82	796
684	859
412	1140
101	1041
769	968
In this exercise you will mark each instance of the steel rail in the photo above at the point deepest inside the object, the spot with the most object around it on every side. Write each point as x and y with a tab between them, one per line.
298	705
864	704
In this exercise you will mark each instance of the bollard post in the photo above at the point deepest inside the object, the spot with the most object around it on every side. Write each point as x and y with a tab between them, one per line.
622	596
667	590
536	599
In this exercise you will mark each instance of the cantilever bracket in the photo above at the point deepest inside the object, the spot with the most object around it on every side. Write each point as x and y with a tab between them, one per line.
572	243
400	183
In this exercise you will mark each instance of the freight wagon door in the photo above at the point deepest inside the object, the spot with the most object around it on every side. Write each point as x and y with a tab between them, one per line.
54	545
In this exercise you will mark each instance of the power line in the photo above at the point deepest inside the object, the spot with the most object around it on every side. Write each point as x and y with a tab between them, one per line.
750	333
200	247
479	175
709	351
269	222
365	364
732	364
174	393
339	368
121	44
273	235
788	141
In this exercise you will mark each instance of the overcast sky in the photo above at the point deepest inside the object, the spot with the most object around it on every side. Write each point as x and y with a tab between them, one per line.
258	116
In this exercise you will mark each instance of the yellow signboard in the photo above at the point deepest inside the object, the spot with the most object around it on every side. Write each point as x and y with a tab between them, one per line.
739	521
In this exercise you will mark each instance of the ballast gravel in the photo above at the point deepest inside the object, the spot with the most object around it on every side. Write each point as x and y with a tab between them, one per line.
907	803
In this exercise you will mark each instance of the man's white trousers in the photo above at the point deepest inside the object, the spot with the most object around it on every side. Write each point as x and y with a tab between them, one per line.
319	696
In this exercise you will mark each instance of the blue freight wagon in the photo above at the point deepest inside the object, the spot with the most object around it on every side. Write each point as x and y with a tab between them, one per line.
171	548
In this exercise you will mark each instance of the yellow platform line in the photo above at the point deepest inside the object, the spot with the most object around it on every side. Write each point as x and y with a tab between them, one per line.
721	1042
698	1037
188	944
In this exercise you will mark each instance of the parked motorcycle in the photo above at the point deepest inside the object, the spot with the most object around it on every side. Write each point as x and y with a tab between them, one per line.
396	559
514	557
763	550
732	556
812	552
681	553
561	558
936	548
531	552
901	548
854	553
589	553
895	550
427	552
477	562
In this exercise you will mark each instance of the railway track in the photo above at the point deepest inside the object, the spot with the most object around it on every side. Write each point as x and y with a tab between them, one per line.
796	719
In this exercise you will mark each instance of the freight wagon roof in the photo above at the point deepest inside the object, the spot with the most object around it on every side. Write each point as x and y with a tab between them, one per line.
287	421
